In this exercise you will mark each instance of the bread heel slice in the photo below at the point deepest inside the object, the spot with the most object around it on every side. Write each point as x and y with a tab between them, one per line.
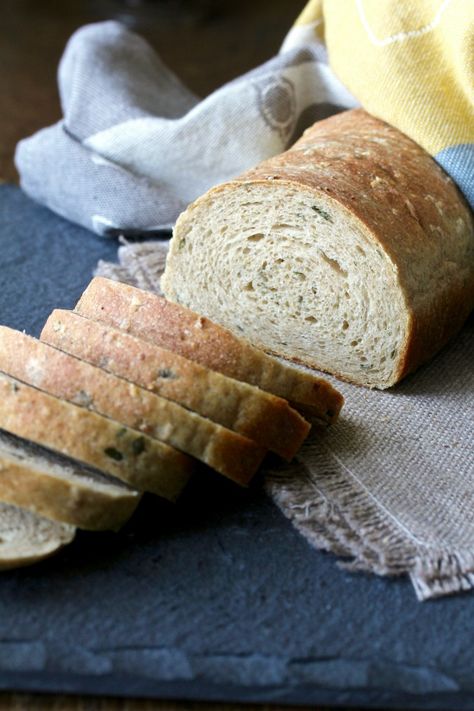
172	326
253	413
69	378
102	443
26	538
56	487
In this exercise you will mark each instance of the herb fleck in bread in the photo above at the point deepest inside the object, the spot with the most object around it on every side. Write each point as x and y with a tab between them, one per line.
100	442
58	488
253	413
67	377
353	252
26	538
182	331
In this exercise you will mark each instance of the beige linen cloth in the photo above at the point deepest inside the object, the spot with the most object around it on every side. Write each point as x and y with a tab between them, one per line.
390	487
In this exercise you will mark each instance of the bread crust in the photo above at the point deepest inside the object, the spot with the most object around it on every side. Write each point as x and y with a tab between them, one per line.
260	416
170	325
402	200
66	376
102	443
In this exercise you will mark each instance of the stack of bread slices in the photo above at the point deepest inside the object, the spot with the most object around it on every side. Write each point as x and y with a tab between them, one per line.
127	394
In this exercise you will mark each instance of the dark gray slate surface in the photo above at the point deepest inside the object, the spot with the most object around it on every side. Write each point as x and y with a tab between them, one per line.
217	598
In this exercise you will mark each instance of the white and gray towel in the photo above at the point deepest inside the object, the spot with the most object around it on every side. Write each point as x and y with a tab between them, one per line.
135	146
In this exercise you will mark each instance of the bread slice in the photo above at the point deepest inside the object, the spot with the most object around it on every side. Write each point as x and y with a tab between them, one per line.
182	331
353	253
26	538
54	486
107	445
253	413
82	383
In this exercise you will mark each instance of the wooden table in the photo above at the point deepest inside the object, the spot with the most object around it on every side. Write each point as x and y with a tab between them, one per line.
206	42
23	702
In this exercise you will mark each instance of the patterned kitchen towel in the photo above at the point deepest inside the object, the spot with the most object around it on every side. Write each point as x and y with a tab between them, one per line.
390	487
135	146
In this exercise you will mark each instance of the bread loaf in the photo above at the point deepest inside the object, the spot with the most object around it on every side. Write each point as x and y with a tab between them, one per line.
58	488
82	383
353	253
194	337
27	538
98	441
253	413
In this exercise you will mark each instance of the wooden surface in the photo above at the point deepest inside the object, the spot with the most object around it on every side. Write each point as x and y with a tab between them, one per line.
206	42
23	702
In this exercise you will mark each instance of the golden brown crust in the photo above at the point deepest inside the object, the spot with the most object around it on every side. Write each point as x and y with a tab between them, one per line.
262	417
172	326
406	202
66	376
102	443
74	502
432	326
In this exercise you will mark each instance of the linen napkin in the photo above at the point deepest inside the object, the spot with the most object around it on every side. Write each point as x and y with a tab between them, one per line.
390	487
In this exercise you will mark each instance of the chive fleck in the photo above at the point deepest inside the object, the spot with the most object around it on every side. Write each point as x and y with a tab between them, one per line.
166	374
322	213
83	398
139	446
114	454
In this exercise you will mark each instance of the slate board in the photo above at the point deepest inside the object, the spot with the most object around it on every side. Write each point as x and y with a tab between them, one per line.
218	598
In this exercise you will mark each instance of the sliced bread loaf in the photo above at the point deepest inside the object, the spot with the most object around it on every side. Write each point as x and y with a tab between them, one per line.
352	252
98	441
67	377
54	486
262	417
182	331
26	538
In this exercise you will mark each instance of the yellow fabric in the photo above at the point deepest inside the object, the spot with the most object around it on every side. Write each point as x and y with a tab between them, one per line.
312	12
408	62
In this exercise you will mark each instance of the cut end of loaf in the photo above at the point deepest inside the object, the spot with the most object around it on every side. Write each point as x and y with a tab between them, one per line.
294	272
